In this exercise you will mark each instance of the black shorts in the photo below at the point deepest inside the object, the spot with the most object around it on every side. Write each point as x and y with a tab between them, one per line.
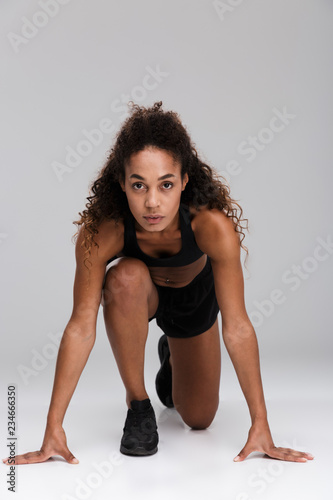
189	310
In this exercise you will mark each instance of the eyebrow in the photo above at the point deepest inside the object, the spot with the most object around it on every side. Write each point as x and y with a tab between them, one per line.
166	176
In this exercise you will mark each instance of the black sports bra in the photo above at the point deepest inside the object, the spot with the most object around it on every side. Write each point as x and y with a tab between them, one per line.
190	252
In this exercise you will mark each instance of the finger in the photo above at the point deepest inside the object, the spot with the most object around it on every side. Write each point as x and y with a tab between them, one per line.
243	454
37	457
297	453
287	455
69	457
26	458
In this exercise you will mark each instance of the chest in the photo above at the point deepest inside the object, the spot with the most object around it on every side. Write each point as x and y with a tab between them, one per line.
162	247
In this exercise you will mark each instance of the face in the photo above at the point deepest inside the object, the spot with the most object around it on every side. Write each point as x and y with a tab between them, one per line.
153	186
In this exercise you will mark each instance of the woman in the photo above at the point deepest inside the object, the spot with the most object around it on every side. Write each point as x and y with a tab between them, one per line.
162	239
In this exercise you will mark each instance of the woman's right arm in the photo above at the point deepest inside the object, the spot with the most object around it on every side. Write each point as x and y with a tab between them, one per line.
76	344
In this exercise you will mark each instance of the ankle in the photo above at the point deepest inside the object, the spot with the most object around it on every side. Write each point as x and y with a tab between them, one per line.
138	396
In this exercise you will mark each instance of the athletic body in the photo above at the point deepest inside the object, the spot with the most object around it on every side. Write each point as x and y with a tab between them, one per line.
129	292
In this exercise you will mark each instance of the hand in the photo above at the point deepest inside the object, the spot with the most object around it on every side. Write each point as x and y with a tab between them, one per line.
260	439
54	443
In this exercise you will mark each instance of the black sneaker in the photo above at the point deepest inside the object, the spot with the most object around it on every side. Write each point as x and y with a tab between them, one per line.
163	381
140	431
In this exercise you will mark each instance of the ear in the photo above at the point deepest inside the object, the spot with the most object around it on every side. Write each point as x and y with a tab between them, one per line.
122	185
185	181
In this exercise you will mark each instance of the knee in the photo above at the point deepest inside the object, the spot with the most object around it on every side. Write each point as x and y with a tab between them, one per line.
126	277
200	418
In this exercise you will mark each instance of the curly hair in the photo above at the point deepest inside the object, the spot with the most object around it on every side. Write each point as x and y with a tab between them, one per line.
154	127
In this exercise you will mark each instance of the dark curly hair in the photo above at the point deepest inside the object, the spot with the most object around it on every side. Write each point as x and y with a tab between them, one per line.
155	127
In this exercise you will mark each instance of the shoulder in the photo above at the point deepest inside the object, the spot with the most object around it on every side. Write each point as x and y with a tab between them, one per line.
214	232
109	238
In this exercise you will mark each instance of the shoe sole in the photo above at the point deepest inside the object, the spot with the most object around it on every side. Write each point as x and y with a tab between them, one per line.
138	452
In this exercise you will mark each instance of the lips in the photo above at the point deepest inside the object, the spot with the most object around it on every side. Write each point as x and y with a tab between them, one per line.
153	219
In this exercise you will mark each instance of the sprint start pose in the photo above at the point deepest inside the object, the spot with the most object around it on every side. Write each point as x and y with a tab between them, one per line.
160	238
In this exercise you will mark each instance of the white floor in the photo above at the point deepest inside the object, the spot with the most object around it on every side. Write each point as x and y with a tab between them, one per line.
189	464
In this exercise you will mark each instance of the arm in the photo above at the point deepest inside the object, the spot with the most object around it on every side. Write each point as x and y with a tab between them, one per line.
216	237
77	342
80	333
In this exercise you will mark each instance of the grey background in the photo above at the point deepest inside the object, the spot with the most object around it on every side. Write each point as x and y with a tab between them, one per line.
225	74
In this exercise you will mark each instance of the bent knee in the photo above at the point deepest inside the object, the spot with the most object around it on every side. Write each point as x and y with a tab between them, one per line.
128	275
198	419
199	423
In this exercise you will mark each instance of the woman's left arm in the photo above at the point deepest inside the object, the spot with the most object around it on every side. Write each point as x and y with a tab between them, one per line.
215	235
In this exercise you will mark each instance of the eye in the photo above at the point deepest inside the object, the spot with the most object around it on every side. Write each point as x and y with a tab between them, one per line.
140	184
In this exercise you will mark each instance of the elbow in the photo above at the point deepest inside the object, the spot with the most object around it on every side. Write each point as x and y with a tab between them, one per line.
237	333
84	333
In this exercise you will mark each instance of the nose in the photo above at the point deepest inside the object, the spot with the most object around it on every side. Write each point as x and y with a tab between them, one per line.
152	199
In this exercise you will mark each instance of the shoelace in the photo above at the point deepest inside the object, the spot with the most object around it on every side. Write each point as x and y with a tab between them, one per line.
138	419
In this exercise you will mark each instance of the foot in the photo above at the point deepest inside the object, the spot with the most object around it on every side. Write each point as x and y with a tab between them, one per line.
140	431
163	381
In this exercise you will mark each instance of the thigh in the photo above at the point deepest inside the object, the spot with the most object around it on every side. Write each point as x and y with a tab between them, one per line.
196	371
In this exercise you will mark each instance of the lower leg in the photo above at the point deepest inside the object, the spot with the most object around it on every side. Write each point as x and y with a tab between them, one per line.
196	369
126	321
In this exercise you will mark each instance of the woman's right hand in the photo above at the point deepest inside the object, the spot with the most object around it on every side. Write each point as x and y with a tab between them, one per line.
54	443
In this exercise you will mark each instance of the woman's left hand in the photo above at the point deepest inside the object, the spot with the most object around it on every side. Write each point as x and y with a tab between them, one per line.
260	439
